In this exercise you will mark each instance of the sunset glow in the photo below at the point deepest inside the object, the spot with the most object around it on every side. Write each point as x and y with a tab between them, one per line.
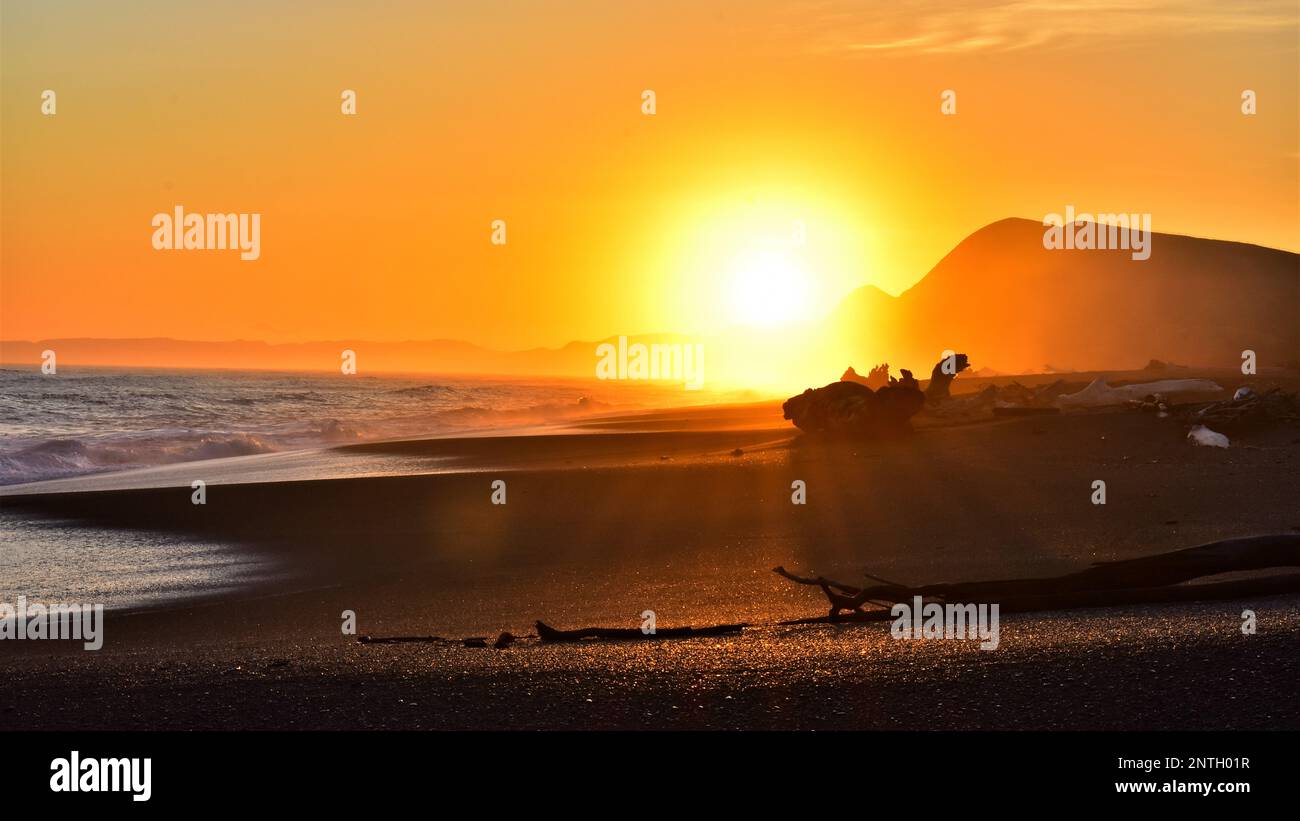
377	226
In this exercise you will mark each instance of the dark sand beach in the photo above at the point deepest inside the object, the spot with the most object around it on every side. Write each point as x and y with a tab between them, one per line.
685	513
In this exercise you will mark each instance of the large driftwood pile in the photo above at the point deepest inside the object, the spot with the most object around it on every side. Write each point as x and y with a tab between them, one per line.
875	405
1249	410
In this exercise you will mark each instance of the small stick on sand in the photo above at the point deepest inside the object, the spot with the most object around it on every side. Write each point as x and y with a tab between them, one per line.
402	640
547	633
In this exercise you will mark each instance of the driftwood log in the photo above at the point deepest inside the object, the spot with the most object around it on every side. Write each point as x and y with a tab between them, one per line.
547	633
941	379
1131	581
504	640
368	639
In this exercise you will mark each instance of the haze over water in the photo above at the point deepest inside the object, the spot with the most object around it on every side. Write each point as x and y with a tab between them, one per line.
93	420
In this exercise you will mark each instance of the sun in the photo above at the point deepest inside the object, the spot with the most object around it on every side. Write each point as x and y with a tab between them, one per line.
768	287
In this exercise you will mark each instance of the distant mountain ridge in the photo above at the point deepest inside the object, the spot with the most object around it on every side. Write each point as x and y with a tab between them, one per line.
576	359
167	352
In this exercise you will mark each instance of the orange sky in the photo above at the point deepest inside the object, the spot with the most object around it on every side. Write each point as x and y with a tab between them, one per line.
377	226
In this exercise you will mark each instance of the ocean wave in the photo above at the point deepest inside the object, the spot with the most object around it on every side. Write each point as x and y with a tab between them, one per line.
59	458
423	390
474	415
332	431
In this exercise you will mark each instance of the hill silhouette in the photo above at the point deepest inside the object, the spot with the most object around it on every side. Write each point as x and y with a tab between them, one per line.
1016	306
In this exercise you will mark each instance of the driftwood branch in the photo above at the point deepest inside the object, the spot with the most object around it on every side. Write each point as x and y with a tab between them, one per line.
547	633
504	640
843	588
1216	591
1148	579
848	597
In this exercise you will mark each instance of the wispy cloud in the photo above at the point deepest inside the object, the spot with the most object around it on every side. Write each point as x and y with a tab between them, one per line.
954	26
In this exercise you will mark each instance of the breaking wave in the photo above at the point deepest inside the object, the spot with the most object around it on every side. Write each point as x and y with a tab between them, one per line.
58	458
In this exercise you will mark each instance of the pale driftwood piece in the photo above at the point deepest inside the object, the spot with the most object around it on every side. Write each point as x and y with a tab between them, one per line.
547	633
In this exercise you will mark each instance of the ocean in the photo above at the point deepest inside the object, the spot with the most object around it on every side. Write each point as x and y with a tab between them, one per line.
93	420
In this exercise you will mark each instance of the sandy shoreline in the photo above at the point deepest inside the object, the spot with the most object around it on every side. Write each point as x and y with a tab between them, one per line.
657	511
